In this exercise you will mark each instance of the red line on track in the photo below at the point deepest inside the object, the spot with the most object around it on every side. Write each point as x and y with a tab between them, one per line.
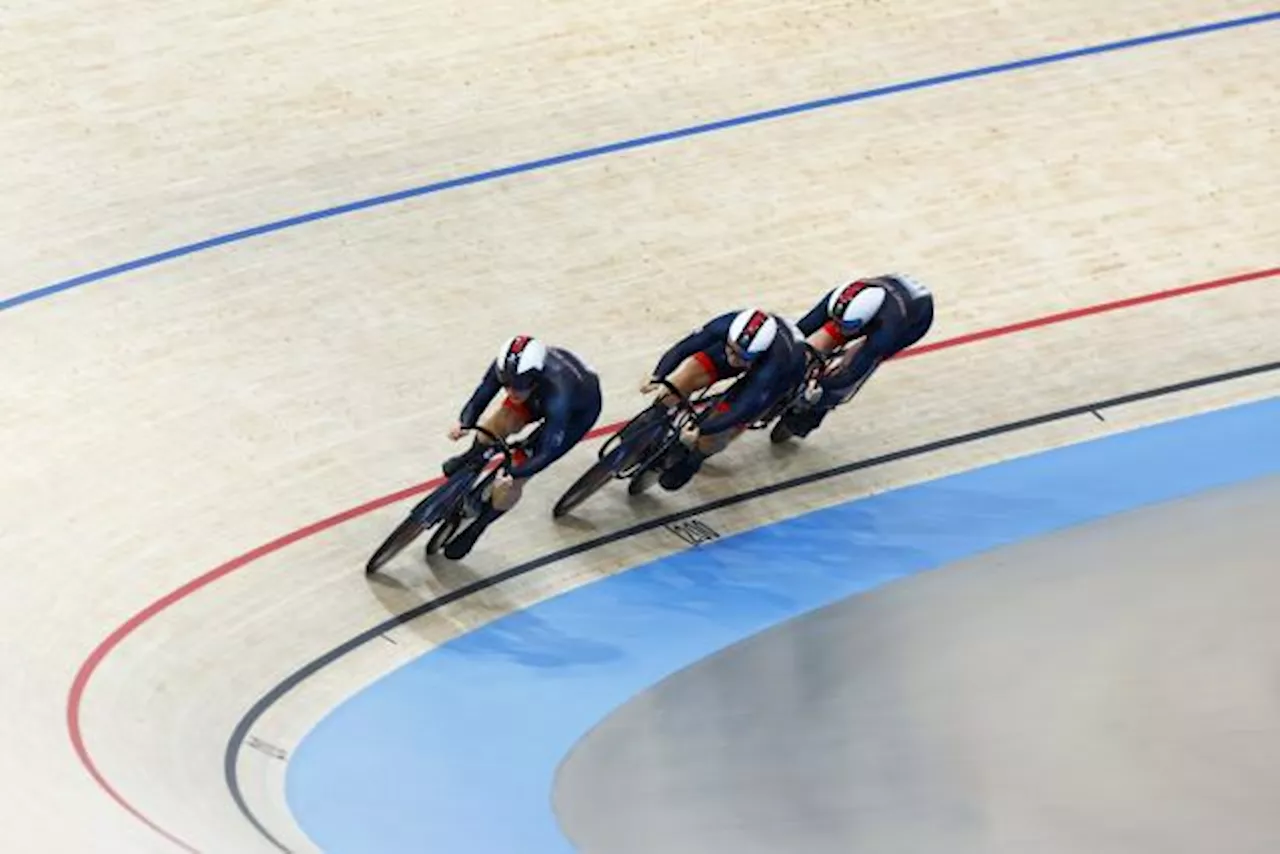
75	696
1087	311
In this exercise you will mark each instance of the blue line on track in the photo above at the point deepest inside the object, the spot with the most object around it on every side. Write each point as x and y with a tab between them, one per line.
626	145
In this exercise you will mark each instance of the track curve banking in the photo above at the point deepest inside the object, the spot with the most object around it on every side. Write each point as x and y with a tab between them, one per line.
85	673
1088	189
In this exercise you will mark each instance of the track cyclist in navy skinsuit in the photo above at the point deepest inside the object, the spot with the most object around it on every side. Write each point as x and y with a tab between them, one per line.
546	384
752	344
870	320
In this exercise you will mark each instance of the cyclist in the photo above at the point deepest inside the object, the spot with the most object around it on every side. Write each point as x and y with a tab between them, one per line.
546	384
754	345
863	323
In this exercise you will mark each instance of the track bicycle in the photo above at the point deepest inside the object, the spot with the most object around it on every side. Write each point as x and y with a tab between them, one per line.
452	502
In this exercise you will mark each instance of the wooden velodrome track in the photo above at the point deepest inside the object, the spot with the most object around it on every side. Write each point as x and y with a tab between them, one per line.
164	418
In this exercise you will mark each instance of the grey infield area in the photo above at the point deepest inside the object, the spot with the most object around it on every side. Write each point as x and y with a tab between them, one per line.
1109	689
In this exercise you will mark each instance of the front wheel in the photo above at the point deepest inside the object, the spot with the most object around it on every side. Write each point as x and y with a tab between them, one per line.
427	513
600	473
404	534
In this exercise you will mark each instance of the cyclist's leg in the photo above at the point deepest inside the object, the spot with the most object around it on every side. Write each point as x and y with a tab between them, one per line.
837	387
507	492
507	420
588	404
511	417
500	496
824	338
765	394
694	374
714	444
709	446
851	373
690	455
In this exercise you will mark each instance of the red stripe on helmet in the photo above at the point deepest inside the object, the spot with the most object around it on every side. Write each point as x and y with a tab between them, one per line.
512	362
850	291
749	331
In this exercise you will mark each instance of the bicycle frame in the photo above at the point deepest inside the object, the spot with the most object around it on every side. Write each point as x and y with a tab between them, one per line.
687	410
499	449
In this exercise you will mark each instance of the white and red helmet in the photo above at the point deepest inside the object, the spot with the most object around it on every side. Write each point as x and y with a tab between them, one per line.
520	362
751	333
855	305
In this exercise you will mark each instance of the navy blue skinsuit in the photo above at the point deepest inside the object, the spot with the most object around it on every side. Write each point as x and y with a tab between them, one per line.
566	399
775	373
903	319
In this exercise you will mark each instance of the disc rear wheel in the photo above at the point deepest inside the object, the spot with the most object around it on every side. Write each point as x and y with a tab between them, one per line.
443	534
643	481
780	432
